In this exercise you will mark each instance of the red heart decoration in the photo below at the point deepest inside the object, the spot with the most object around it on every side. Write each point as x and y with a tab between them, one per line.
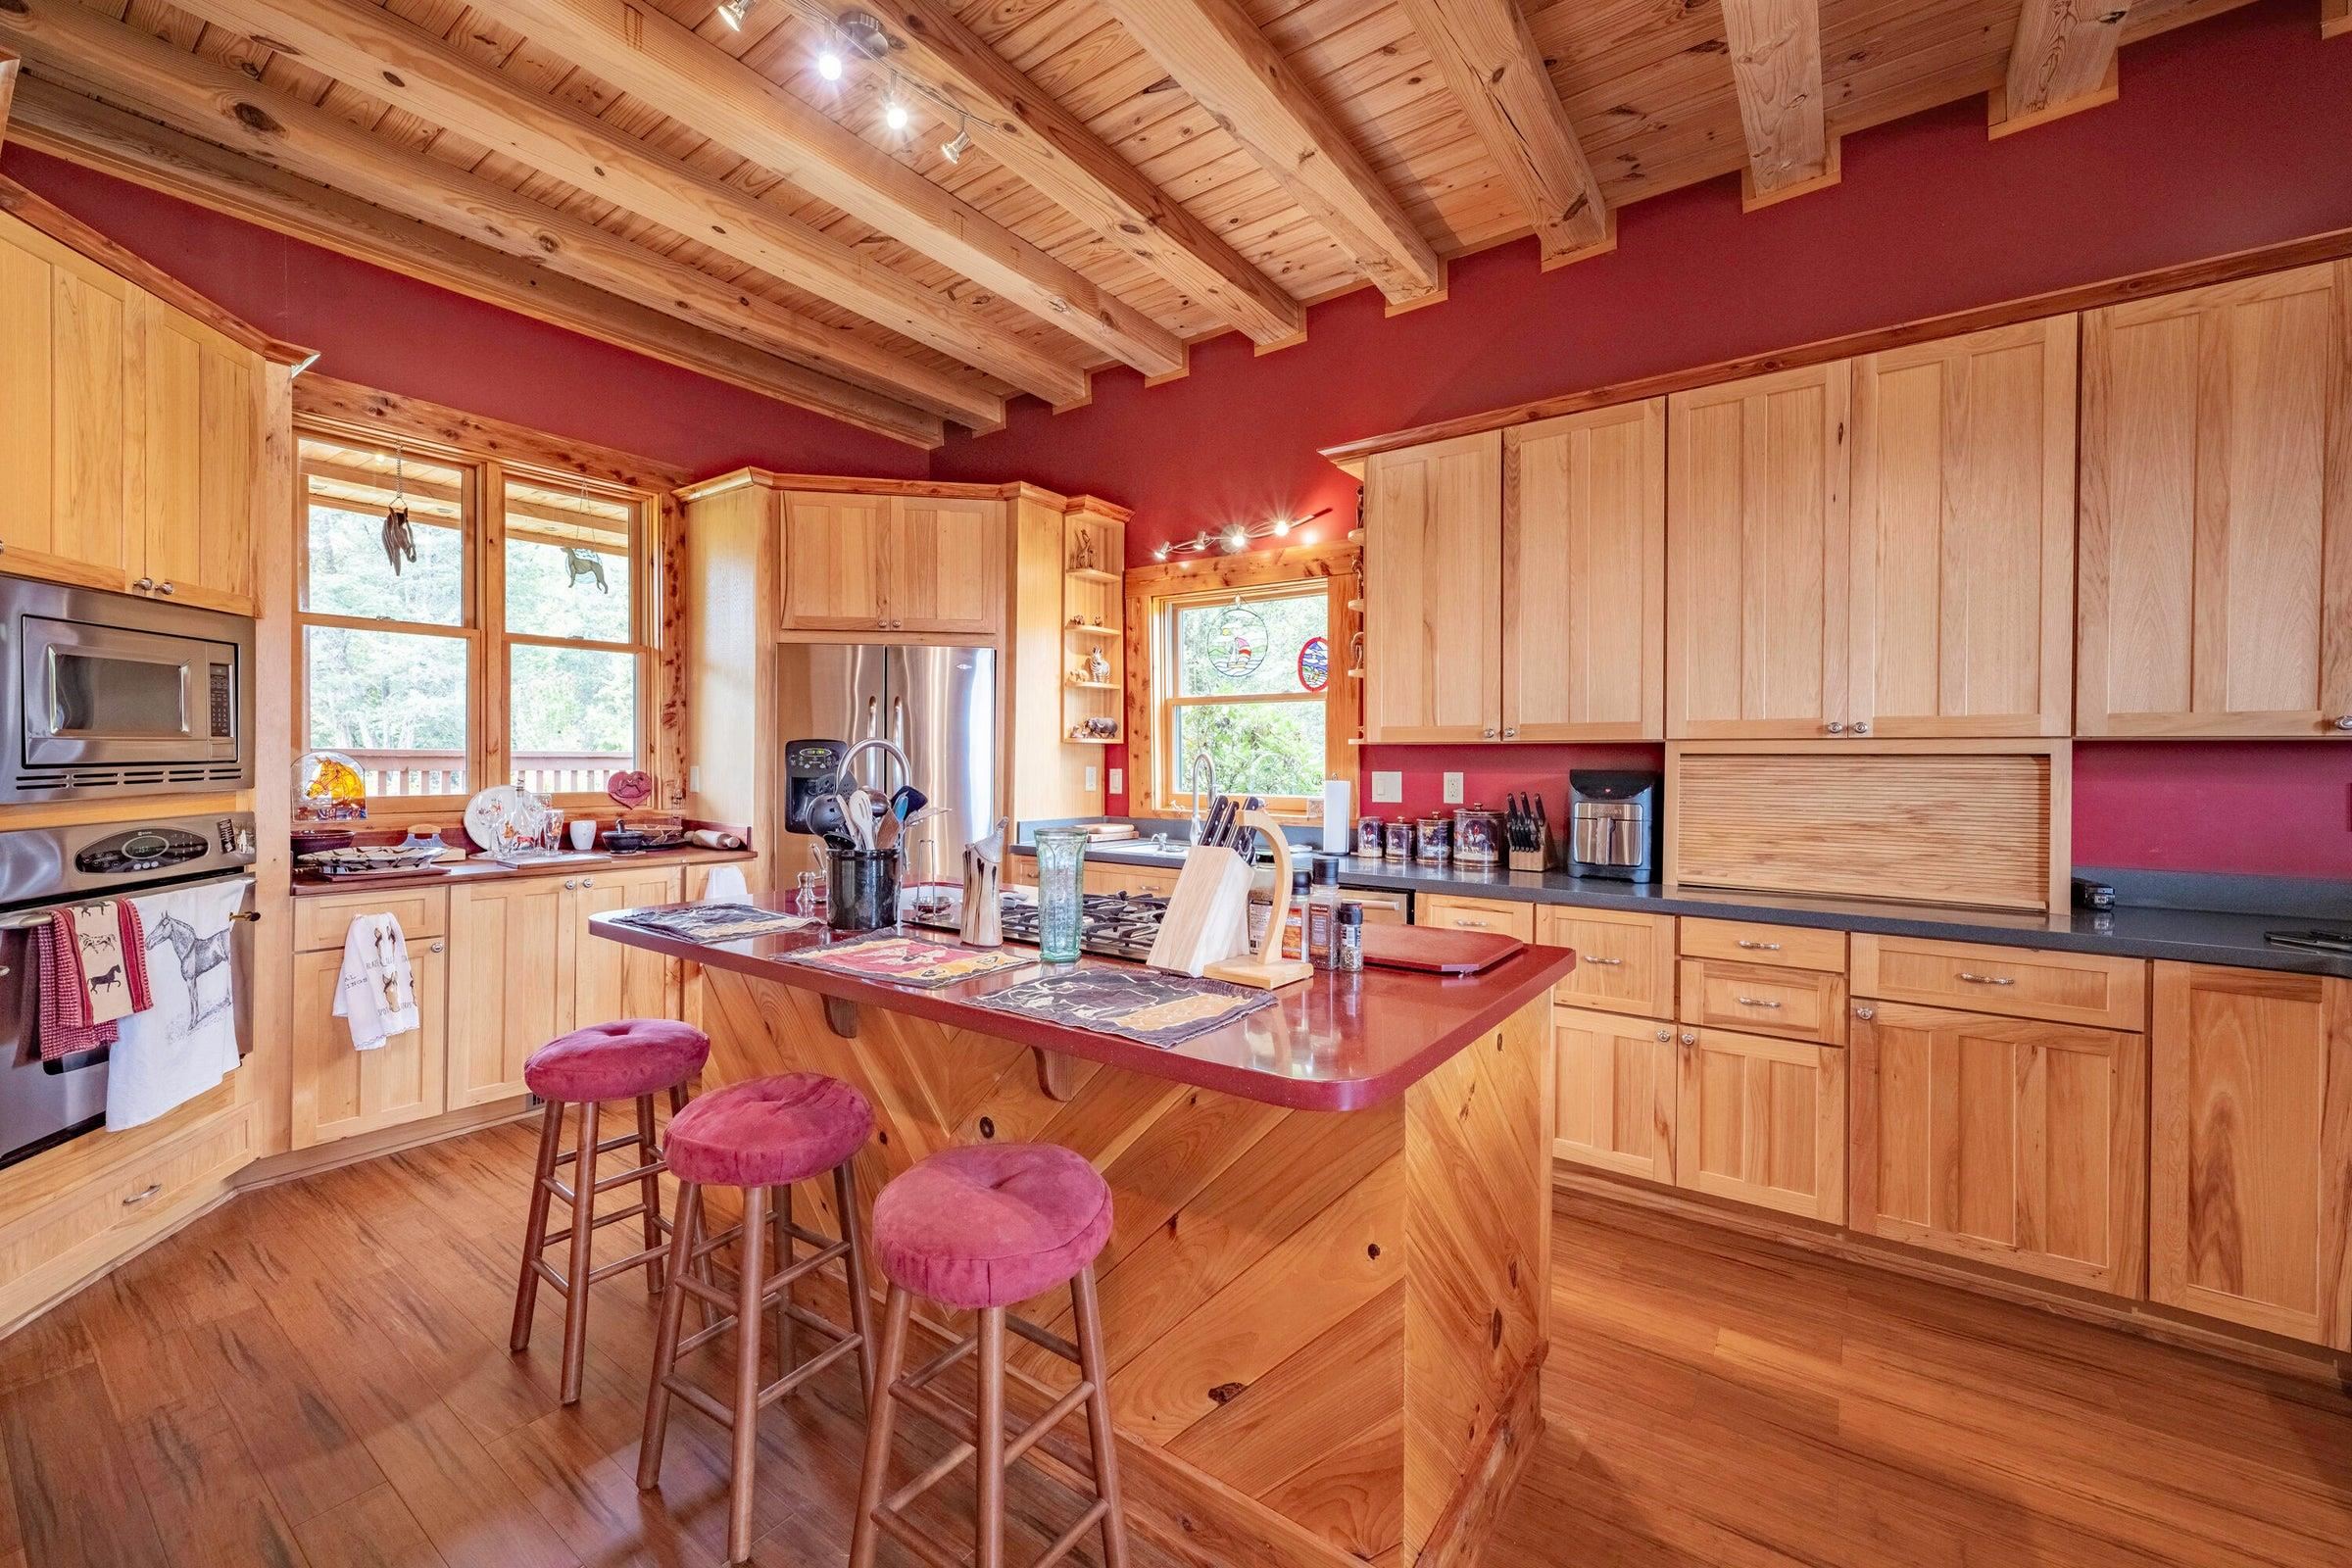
631	789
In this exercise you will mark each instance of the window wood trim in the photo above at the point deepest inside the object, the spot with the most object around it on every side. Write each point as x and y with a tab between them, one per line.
1148	588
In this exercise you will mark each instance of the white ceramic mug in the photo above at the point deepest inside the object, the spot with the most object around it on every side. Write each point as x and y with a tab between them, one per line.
583	833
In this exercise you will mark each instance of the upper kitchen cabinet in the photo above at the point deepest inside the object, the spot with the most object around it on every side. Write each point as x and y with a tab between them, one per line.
1757	554
1584	576
138	421
1432	580
1961	590
893	563
2217	510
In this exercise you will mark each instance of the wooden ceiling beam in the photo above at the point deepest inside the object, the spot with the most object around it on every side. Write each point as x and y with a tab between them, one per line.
644	53
1215	52
377	53
1776	65
2062	59
63	124
1484	50
68	42
1032	135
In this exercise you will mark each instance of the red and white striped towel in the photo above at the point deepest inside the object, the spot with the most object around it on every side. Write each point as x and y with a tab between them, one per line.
73	1013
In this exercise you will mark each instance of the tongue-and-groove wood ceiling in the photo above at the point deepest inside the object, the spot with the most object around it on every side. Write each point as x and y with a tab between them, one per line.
1143	173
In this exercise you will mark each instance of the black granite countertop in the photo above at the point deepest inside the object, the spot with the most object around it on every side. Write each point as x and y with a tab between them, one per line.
2231	935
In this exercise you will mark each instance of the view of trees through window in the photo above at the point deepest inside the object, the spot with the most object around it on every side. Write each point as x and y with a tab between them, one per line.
1237	689
393	662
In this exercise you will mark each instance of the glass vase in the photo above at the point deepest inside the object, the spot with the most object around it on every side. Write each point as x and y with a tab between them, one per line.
1061	888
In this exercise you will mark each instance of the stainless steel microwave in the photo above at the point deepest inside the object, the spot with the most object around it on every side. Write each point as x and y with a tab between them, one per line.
119	694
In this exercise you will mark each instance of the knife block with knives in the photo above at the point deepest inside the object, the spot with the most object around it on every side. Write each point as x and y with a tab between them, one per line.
1206	928
1529	832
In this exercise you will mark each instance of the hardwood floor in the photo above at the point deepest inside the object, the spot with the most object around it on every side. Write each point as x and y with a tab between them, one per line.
316	1377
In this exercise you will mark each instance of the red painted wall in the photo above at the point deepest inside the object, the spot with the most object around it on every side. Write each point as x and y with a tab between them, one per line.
383	331
2230	134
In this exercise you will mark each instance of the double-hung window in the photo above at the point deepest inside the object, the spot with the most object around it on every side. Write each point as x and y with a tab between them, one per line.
1244	676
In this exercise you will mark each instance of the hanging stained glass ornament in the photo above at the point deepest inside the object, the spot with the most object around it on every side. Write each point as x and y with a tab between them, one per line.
1238	643
1314	664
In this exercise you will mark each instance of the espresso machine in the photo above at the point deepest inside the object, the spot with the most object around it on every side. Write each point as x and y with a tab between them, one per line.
1614	824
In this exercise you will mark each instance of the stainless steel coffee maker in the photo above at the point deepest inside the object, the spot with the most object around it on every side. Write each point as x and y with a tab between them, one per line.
1614	824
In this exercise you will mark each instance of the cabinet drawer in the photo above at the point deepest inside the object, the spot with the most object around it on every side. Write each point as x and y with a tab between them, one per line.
1797	1003
2015	982
1150	881
1789	947
1477	914
1624	963
320	923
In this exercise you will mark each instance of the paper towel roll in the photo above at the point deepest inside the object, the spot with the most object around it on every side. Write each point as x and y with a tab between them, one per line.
1339	816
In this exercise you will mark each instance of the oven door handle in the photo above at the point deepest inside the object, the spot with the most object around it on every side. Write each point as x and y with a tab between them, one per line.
34	920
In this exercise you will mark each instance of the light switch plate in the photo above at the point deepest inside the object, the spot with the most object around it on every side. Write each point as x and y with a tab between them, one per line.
1388	789
694	779
1092	773
1118	781
1454	789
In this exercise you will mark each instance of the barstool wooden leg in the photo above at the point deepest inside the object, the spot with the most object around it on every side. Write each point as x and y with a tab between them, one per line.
881	1415
1086	1313
861	1307
788	1339
685	1233
583	1238
991	1446
534	1230
648	1190
750	1259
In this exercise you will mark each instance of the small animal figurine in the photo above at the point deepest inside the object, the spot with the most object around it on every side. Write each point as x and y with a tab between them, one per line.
983	870
580	562
1098	667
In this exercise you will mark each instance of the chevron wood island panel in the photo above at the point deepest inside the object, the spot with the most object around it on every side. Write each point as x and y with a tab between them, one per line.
1325	1329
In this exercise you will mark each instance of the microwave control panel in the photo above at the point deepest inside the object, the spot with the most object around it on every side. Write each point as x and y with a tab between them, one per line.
222	715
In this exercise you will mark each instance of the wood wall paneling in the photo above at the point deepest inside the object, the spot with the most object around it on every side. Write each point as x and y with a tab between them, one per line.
1584	576
1433	527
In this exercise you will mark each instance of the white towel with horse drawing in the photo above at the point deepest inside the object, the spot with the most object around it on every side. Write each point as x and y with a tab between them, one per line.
187	1041
375	993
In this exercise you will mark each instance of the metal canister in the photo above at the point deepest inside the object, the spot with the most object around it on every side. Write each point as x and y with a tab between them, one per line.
1370	841
1397	836
1478	836
1433	841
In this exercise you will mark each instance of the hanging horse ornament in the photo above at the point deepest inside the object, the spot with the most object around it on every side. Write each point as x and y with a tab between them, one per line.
399	540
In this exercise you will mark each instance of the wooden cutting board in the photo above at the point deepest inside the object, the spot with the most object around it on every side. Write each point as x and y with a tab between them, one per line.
1434	949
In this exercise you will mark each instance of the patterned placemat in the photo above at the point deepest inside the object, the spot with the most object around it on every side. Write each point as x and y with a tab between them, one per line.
1147	1005
716	922
906	960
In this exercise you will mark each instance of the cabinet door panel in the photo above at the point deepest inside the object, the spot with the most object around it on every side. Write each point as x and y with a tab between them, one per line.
835	550
1584	583
1762	1121
64	419
1433	577
195	470
2004	1140
1616	1087
339	1091
509	986
946	566
611	979
2217	510
2250	1168
1963	583
1757	555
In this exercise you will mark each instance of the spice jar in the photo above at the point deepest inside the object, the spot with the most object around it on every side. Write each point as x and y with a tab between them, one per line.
1433	841
1399	841
1348	941
1294	920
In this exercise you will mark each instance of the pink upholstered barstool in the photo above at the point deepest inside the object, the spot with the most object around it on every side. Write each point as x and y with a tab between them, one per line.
633	1058
981	1228
761	1136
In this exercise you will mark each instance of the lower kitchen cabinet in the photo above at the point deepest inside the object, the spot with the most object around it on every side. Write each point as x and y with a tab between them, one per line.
339	1092
509	989
1761	1121
2250	1168
2008	1141
1615	1105
610	980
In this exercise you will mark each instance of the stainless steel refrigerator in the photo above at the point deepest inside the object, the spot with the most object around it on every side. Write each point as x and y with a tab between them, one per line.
939	704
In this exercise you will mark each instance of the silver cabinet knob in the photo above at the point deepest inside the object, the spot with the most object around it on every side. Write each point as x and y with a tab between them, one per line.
1665	1035
437	947
571	882
1835	726
1690	1038
145	585
163	587
2344	721
1861	726
1866	1013
1488	733
1510	732
587	881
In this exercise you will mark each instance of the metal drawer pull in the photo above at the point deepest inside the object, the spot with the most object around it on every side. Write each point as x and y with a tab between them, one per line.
1756	1002
1759	947
142	1194
1606	964
1472	925
1986	979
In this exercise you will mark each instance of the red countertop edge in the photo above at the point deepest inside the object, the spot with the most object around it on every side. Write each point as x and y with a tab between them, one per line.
1474	1006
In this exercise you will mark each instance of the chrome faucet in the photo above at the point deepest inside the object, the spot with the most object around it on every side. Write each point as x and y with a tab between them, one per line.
1201	763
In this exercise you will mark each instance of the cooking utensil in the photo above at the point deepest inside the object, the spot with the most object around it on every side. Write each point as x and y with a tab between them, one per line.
905	801
826	819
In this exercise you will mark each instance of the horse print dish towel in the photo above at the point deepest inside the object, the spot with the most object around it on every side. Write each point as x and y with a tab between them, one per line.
187	1042
91	974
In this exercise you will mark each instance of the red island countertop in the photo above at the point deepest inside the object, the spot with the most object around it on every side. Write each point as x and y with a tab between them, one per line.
1336	1042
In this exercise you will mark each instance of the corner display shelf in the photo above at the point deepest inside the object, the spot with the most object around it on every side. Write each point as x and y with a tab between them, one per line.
1092	609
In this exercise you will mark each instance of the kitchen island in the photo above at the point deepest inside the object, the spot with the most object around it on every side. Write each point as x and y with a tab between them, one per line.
1324	1297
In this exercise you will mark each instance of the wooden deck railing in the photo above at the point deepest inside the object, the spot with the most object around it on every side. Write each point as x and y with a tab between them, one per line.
444	772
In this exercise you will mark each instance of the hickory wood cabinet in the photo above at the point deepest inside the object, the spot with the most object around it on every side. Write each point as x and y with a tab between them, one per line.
1432	578
856	561
2217	510
132	435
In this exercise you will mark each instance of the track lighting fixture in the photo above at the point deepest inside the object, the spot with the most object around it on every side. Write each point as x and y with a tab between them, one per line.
954	151
732	12
828	63
894	113
1234	537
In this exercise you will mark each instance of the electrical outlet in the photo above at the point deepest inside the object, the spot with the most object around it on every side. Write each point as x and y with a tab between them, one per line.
1388	789
1454	789
1118	781
1090	775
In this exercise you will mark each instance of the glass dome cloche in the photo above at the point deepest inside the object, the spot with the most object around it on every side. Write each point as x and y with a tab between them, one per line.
328	787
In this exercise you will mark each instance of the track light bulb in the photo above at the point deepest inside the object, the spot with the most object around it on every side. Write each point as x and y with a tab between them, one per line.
828	63
732	12
894	115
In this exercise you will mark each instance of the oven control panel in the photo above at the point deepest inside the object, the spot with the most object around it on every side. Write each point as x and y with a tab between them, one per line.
140	849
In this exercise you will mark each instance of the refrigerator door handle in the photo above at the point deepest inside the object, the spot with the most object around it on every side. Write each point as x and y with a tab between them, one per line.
897	722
